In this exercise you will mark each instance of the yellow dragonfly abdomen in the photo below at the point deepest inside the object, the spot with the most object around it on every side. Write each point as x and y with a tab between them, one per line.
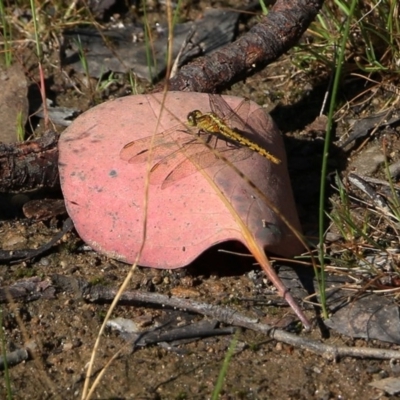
212	124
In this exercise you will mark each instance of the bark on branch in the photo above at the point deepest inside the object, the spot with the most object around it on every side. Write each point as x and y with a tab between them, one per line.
276	33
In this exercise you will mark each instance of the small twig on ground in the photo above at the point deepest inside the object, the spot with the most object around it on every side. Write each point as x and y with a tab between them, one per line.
27	290
22	255
227	315
103	294
14	358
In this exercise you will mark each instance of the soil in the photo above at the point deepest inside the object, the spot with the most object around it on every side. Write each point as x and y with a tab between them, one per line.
64	328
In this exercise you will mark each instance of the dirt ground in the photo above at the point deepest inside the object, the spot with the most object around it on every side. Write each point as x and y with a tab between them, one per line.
64	327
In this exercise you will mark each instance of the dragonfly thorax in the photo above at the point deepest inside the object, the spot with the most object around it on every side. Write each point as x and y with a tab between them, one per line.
207	122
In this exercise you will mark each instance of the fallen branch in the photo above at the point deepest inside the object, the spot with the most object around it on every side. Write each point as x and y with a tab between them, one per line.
27	254
275	33
29	165
27	290
102	294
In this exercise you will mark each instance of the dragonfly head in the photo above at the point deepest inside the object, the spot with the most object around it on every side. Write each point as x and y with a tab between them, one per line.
193	116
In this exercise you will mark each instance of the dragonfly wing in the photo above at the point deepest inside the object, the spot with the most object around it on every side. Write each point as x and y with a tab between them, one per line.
234	118
206	159
180	156
163	144
137	153
164	167
257	123
250	124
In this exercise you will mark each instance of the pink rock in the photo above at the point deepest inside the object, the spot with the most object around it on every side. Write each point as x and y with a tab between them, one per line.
105	194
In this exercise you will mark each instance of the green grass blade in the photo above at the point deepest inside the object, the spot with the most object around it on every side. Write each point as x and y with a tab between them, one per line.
324	170
224	368
6	35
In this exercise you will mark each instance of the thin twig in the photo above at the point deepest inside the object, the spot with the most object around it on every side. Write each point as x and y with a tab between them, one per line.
227	315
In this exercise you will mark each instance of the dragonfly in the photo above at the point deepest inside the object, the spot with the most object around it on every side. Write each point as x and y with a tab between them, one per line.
177	159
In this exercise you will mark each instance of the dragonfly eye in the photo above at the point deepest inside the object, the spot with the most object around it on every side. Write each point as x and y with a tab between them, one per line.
192	117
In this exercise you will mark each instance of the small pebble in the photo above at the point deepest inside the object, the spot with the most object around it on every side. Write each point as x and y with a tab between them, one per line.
44	262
